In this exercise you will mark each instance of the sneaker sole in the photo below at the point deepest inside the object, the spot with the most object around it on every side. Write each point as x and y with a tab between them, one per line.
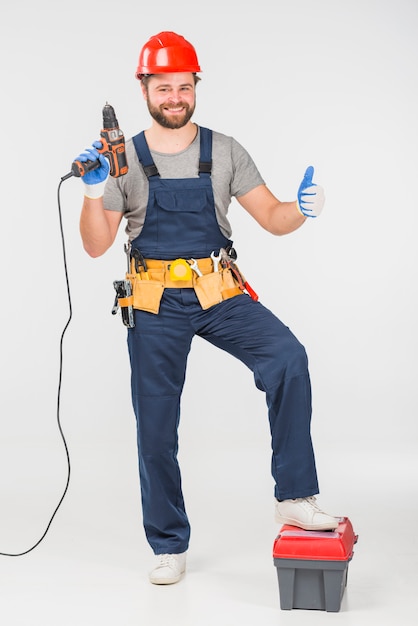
166	581
293	522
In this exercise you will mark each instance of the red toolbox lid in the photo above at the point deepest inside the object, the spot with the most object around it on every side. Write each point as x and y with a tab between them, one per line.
294	543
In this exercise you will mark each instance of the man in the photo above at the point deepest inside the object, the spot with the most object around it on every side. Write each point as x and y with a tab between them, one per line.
175	198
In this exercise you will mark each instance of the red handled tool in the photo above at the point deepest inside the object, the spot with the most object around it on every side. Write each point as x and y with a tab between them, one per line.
226	261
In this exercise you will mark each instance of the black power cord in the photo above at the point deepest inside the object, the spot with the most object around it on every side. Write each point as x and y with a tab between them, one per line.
59	385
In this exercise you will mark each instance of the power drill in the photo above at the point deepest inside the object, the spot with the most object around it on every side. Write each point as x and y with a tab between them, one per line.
113	147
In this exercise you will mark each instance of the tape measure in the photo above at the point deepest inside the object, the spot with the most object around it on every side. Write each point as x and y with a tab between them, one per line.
180	270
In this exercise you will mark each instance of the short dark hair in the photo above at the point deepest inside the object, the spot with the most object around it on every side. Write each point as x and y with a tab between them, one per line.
145	79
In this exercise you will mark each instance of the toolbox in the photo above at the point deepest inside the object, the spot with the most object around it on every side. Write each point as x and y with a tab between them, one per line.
312	566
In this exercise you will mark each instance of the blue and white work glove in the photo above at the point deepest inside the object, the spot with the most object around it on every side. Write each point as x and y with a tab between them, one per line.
95	180
311	197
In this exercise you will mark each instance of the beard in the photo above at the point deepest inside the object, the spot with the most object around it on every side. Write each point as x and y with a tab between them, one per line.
171	121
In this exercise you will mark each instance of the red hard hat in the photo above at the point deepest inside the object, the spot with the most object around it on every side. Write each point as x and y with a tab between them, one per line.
167	52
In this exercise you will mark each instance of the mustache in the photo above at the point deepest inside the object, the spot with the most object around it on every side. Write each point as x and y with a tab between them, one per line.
175	105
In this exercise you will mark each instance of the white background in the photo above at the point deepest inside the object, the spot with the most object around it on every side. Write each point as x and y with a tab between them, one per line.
327	83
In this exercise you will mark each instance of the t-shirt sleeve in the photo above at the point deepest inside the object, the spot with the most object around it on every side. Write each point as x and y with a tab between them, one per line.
245	174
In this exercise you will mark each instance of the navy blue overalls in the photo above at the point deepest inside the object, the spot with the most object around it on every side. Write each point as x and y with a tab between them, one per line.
181	223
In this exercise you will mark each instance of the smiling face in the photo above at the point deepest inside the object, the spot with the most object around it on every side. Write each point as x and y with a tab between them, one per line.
171	98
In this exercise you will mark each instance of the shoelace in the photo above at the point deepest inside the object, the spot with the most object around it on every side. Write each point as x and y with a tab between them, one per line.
310	503
166	560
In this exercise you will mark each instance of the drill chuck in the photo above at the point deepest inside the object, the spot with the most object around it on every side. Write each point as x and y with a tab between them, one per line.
109	117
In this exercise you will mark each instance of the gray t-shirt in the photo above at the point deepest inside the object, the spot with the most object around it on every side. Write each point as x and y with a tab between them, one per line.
233	174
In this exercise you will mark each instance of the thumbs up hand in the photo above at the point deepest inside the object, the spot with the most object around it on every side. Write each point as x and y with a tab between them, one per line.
311	197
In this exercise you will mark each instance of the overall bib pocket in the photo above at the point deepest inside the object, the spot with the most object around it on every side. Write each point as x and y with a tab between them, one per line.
182	200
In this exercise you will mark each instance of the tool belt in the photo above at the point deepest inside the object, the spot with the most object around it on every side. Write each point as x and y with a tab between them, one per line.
211	288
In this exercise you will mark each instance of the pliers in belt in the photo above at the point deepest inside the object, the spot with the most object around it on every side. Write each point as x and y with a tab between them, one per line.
227	262
139	263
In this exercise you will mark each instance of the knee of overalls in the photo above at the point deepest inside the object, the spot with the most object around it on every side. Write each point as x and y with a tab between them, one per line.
285	358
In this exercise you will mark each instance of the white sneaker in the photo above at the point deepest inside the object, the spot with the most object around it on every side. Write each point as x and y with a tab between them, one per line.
304	513
169	569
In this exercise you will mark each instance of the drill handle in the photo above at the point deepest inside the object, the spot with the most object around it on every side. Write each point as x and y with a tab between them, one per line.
113	143
79	168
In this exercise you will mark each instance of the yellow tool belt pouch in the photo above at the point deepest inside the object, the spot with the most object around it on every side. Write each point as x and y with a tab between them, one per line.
211	288
208	289
147	294
215	287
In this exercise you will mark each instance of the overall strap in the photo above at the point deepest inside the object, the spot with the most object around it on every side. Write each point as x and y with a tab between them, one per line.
150	169
144	155
205	161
